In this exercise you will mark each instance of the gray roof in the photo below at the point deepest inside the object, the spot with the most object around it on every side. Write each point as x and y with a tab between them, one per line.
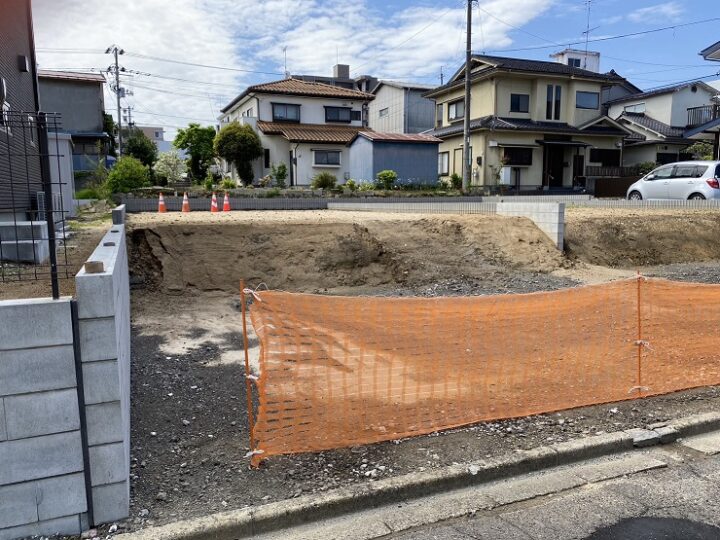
522	124
670	133
711	50
661	91
398	84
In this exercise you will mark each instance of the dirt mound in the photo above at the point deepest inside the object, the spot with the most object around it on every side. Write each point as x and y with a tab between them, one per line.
323	255
646	238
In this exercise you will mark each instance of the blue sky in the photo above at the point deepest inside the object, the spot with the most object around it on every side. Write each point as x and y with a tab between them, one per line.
396	39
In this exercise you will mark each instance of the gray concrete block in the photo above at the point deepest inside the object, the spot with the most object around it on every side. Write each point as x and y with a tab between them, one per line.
101	382
40	457
41	413
23	230
18	505
108	464
605	469
36	370
32	251
104	423
111	502
708	443
666	434
3	427
531	486
95	295
59	526
61	496
51	323
97	339
118	215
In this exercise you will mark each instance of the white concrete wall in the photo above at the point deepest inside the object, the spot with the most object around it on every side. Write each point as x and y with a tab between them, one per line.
548	216
306	170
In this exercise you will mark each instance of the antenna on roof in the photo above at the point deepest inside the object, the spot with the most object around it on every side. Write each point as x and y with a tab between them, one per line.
588	3
287	73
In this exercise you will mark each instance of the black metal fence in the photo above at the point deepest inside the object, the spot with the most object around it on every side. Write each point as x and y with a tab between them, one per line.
34	179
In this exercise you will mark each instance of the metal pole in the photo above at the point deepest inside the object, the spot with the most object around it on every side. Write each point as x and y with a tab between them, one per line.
117	93
467	169
44	147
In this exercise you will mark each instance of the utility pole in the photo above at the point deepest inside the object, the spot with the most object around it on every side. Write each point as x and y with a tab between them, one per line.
115	51
467	169
128	116
442	77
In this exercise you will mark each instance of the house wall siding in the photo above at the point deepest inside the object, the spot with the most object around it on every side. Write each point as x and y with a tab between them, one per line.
80	103
312	110
392	99
16	40
420	112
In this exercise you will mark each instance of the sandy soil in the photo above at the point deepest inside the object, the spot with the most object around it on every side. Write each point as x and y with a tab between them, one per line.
188	376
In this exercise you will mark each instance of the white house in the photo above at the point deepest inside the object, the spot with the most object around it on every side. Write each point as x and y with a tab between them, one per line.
306	125
400	107
665	121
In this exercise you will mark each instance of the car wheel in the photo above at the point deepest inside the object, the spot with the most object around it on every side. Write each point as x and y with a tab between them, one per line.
635	196
696	197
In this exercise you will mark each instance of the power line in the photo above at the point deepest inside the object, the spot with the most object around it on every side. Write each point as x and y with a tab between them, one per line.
70	51
141	111
184	63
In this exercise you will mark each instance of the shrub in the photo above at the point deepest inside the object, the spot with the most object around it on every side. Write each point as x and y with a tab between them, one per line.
228	183
209	183
266	180
240	145
366	186
351	185
456	181
645	167
170	166
139	146
386	179
127	174
279	173
271	193
87	193
324	180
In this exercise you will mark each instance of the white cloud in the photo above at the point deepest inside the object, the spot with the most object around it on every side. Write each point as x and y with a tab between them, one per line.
248	34
659	13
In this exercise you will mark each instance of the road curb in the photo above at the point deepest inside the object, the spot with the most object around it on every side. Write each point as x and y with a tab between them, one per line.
275	516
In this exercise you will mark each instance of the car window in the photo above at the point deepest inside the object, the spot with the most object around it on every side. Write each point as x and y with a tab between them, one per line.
662	172
689	171
717	171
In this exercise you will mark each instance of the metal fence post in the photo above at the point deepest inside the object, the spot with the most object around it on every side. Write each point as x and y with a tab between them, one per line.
44	146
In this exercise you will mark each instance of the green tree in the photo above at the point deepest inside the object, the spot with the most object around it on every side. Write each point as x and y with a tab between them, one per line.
701	150
240	145
127	174
139	146
110	128
170	166
279	173
197	141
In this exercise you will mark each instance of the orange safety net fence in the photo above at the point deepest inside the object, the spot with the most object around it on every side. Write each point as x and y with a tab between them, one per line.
343	371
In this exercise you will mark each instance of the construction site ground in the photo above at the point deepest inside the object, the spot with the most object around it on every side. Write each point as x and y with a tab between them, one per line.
189	420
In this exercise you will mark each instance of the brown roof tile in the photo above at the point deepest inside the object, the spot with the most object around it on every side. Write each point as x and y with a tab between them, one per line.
399	137
313	133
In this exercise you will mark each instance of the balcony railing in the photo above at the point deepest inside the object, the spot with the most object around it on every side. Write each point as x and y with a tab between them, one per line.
698	116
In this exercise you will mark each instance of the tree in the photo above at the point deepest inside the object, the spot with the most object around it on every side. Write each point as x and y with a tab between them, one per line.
702	150
127	174
197	141
141	147
240	145
110	128
170	166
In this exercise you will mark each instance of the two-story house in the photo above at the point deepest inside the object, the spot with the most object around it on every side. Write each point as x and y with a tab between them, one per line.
306	125
78	97
400	107
665	121
534	124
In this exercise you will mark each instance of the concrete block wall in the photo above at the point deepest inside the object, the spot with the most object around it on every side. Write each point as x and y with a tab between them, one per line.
548	216
103	301
42	485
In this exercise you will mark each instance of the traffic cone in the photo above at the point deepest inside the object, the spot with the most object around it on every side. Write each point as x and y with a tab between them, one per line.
226	203
186	203
161	205
213	204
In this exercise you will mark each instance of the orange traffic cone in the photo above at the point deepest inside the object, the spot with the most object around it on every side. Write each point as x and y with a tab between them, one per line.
226	203
161	205
186	203
213	204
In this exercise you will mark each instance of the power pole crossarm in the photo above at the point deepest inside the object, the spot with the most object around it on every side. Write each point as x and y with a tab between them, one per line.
467	169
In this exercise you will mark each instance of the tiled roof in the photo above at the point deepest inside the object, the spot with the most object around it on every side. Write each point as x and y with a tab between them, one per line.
71	76
296	87
661	91
521	124
311	133
669	133
399	137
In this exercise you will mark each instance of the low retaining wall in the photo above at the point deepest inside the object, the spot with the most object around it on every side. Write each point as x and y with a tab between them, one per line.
548	216
65	403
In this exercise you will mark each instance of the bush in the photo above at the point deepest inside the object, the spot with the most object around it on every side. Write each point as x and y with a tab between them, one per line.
170	166
324	180
645	167
279	173
228	184
87	193
366	186
139	146
351	185
456	181
127	174
272	193
209	183
386	179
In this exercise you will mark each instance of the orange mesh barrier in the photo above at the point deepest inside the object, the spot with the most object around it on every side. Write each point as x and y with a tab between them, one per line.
343	371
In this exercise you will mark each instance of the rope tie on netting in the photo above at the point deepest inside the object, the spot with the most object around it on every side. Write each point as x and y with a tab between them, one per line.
639	389
253	292
252	377
644	343
253	453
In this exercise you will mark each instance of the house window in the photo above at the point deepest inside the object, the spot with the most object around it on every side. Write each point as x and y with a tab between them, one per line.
519	103
635	108
456	110
382	113
31	129
587	100
554	102
444	163
338	114
326	158
285	112
5	118
438	115
573	62
518	156
266	156
355	116
607	157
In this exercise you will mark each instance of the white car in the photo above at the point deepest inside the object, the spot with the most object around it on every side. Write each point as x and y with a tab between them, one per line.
694	180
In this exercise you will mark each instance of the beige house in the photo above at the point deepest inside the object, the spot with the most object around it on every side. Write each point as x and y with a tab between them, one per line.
534	125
